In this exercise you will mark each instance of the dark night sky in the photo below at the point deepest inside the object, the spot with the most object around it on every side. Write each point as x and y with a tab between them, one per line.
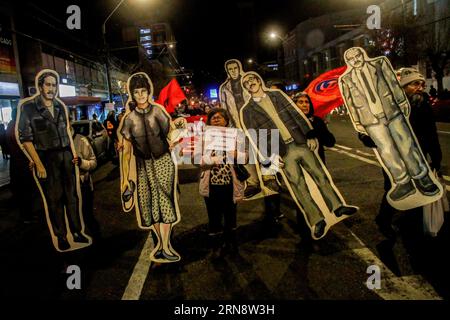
207	32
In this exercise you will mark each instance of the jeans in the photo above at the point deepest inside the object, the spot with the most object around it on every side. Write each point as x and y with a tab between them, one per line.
398	149
296	158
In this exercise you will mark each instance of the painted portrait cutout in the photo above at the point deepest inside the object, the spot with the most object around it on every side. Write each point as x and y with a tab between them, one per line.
378	107
43	132
149	174
233	97
291	149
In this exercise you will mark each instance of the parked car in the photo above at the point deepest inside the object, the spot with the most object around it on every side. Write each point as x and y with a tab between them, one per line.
96	134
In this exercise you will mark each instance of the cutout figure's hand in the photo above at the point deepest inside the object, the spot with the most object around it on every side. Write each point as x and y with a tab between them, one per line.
360	128
125	185
76	161
41	172
119	146
31	166
405	109
312	144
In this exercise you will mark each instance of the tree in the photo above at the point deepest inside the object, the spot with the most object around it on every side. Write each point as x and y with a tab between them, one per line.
435	46
405	38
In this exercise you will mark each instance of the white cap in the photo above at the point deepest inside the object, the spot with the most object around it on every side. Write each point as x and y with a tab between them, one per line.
408	75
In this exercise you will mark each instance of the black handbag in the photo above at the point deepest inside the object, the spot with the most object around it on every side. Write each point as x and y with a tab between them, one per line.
242	173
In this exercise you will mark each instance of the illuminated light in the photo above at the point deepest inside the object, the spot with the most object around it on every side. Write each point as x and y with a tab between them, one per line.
171	46
273	35
250	60
63	80
213	93
66	91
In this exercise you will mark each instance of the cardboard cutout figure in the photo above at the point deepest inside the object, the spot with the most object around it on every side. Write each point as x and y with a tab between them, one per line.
378	107
43	132
271	111
233	97
149	175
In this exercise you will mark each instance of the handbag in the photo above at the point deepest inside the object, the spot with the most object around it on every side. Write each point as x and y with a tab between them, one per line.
242	173
433	214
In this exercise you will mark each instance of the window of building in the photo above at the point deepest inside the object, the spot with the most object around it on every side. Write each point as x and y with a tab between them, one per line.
60	66
79	73
47	61
87	74
70	69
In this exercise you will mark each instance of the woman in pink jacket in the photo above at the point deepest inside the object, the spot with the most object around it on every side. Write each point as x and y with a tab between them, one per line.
221	187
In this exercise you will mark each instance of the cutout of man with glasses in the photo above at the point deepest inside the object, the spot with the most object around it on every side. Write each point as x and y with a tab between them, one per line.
379	108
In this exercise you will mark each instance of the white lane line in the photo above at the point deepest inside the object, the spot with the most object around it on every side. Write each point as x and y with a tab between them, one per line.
375	163
343	147
444	132
365	153
393	287
140	272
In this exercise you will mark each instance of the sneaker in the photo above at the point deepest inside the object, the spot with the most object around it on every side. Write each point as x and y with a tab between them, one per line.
251	191
319	229
78	237
344	210
426	186
63	244
402	191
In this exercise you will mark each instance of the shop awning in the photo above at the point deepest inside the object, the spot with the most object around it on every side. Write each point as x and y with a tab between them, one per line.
80	100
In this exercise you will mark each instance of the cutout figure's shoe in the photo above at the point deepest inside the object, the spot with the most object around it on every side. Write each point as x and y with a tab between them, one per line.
344	210
402	191
426	186
319	229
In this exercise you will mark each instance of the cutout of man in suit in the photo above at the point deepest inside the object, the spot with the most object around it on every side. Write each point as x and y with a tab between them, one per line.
271	109
379	108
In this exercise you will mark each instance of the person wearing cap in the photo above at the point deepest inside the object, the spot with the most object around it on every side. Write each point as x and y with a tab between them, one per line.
379	109
421	117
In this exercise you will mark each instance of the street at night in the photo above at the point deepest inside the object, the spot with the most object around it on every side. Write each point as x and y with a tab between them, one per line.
272	263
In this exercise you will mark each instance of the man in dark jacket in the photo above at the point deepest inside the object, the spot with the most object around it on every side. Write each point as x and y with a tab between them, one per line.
271	110
424	127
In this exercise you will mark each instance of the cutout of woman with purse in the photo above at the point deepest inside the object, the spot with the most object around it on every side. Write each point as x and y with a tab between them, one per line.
149	174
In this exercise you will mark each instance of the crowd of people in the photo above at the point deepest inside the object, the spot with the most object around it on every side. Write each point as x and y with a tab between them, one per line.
218	184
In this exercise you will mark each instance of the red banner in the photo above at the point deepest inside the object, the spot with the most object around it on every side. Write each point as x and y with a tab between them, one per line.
324	92
171	95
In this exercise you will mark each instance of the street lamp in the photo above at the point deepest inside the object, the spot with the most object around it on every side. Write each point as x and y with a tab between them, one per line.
108	76
250	61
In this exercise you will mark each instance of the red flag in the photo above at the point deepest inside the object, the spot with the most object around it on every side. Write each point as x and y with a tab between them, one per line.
171	95
324	92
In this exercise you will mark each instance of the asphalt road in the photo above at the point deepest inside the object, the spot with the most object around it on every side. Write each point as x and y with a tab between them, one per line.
273	262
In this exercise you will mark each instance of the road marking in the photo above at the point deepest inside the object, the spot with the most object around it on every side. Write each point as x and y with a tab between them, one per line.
375	163
392	287
444	132
365	153
446	178
343	147
140	272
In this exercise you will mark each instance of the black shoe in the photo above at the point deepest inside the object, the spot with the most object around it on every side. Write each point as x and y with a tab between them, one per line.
319	229
402	191
161	255
426	186
344	210
63	244
78	237
251	191
385	227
